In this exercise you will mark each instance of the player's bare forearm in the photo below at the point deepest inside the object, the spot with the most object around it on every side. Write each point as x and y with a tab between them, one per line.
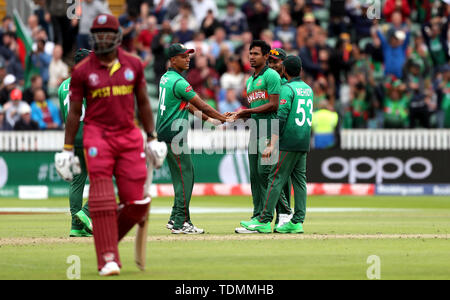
145	111
206	109
195	111
272	106
73	122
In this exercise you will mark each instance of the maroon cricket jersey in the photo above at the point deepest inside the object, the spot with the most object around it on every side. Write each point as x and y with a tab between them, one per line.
109	92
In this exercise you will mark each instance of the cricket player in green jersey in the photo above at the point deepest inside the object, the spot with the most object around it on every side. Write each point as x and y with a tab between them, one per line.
81	222
284	213
263	91
293	143
176	100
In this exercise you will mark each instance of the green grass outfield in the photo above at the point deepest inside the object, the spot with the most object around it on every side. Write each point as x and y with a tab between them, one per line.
410	235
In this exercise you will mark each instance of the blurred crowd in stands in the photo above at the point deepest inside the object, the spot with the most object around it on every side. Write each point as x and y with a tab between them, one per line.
376	63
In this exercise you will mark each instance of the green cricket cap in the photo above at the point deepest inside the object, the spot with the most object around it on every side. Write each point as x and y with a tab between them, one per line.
278	53
80	54
178	49
293	65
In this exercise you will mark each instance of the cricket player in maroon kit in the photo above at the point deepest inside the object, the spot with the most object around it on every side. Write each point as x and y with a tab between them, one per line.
109	79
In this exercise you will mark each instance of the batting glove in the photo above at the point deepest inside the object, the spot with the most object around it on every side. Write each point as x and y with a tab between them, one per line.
156	152
67	165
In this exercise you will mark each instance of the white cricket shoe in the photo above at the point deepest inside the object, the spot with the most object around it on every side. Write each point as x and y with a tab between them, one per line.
111	268
283	219
169	224
188	229
242	230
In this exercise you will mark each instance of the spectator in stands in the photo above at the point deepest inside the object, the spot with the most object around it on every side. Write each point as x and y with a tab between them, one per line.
443	92
160	43
217	40
310	57
3	124
210	24
423	9
58	69
9	45
257	14
308	29
231	103
233	78
297	10
359	106
243	51
128	23
44	112
324	126
391	6
338	14
36	83
62	30
33	25
41	60
173	8
25	122
3	71
49	46
144	40
6	26
187	14
341	58
435	35
203	79
159	9
234	22
142	6
360	21
184	34
396	104
394	50
199	43
9	83
89	10
201	9
285	32
15	67
13	107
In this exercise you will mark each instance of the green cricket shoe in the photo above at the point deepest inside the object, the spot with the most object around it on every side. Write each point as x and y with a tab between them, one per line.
79	233
290	227
255	225
246	223
85	220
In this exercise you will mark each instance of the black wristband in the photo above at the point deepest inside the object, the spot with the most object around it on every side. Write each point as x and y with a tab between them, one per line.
152	135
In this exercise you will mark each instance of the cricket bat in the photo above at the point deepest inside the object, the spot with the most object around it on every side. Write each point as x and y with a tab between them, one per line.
140	254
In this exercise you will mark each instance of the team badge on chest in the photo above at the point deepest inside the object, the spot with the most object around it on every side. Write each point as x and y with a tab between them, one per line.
129	74
93	79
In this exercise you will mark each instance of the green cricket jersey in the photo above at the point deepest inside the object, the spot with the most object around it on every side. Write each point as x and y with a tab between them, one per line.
396	112
259	87
295	115
64	104
283	81
174	95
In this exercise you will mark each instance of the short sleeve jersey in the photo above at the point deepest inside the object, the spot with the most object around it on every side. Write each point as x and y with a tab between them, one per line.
64	104
109	91
174	96
295	115
259	87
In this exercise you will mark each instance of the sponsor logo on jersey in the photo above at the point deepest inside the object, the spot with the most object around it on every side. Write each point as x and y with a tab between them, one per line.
257	96
129	74
93	79
188	89
283	101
